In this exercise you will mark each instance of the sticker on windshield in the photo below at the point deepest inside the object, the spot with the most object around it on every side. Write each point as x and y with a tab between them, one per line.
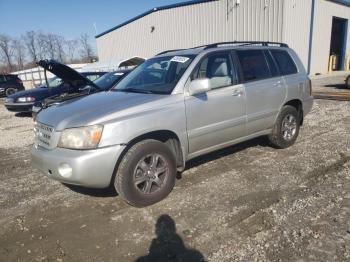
118	74
179	59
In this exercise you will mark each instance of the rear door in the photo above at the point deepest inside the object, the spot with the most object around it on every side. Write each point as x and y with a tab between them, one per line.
264	87
216	117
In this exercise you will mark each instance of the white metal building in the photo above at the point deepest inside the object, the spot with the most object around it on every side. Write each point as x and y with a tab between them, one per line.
316	29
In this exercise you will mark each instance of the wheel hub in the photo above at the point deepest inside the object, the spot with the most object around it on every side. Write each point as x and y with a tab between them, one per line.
150	173
289	127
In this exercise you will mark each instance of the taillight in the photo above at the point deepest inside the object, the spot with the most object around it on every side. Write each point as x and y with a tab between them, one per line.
19	81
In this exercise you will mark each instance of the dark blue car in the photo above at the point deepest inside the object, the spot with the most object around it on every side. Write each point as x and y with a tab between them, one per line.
67	81
104	83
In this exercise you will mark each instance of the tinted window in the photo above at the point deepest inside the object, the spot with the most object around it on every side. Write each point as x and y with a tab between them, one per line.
2	79
272	65
284	62
217	68
254	65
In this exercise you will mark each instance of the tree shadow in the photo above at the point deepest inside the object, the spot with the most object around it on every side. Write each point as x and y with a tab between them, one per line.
168	245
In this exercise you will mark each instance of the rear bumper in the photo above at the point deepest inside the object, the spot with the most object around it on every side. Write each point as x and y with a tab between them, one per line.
19	107
88	168
307	105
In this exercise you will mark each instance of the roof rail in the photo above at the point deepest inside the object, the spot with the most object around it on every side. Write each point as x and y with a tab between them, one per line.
229	43
246	43
167	51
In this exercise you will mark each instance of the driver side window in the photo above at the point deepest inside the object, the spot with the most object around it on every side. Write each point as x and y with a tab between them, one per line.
217	68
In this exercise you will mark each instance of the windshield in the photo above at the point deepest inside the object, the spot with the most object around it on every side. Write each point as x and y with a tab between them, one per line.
157	75
108	80
53	82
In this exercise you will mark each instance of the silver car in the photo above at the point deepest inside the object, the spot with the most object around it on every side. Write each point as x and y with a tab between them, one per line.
175	106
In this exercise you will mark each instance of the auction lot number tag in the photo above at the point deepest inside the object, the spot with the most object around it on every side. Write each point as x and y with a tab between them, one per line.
179	59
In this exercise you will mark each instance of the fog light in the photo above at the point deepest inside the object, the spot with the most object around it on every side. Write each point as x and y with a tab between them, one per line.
65	170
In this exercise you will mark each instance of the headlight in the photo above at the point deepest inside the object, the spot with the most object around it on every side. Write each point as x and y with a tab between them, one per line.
26	99
81	137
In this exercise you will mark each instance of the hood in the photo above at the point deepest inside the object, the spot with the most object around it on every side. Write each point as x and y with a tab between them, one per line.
67	74
38	93
94	109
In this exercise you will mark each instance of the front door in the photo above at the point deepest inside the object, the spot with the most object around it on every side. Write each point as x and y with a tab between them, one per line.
216	117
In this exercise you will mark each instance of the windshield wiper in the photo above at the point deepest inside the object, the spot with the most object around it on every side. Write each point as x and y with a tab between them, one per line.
134	90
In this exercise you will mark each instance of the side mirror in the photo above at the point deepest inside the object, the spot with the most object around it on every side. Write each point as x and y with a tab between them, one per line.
199	86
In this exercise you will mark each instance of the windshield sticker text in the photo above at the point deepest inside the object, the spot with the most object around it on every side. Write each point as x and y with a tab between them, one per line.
179	59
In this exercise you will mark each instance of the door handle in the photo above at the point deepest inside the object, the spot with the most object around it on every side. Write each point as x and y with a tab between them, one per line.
237	92
277	83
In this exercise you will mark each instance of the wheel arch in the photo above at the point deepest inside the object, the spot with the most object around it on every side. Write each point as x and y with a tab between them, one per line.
298	105
168	137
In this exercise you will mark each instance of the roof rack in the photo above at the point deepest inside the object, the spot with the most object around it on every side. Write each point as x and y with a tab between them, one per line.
241	43
247	43
173	50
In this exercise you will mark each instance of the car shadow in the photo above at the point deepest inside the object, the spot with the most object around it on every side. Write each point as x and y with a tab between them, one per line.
338	86
23	114
259	141
168	245
111	192
95	192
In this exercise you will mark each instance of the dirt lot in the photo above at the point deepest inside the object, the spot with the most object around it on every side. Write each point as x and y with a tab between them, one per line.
248	202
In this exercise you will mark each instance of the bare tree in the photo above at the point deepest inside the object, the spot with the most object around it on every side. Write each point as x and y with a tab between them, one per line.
86	51
44	49
60	42
19	51
30	39
7	50
71	47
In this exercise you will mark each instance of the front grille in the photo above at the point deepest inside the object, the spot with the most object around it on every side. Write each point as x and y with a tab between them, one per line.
43	134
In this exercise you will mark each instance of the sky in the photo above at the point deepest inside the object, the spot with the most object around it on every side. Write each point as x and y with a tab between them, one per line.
70	18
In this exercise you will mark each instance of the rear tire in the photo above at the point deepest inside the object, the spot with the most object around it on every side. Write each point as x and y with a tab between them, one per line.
146	174
347	82
286	128
10	91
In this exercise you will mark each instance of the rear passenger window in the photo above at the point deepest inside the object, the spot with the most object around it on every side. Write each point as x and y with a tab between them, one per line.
217	68
284	62
253	64
272	65
2	79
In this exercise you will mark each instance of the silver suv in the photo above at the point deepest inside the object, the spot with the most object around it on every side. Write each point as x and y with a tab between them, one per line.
175	106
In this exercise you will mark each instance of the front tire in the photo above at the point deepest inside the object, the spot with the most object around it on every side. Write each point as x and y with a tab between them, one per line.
146	174
286	128
10	91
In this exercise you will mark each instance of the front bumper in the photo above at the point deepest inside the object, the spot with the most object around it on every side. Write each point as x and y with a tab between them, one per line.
88	168
19	107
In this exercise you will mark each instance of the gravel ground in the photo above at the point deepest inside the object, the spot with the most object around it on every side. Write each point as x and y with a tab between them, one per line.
249	202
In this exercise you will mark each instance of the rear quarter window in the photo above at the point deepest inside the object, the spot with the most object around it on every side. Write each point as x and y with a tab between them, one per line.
253	64
285	62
